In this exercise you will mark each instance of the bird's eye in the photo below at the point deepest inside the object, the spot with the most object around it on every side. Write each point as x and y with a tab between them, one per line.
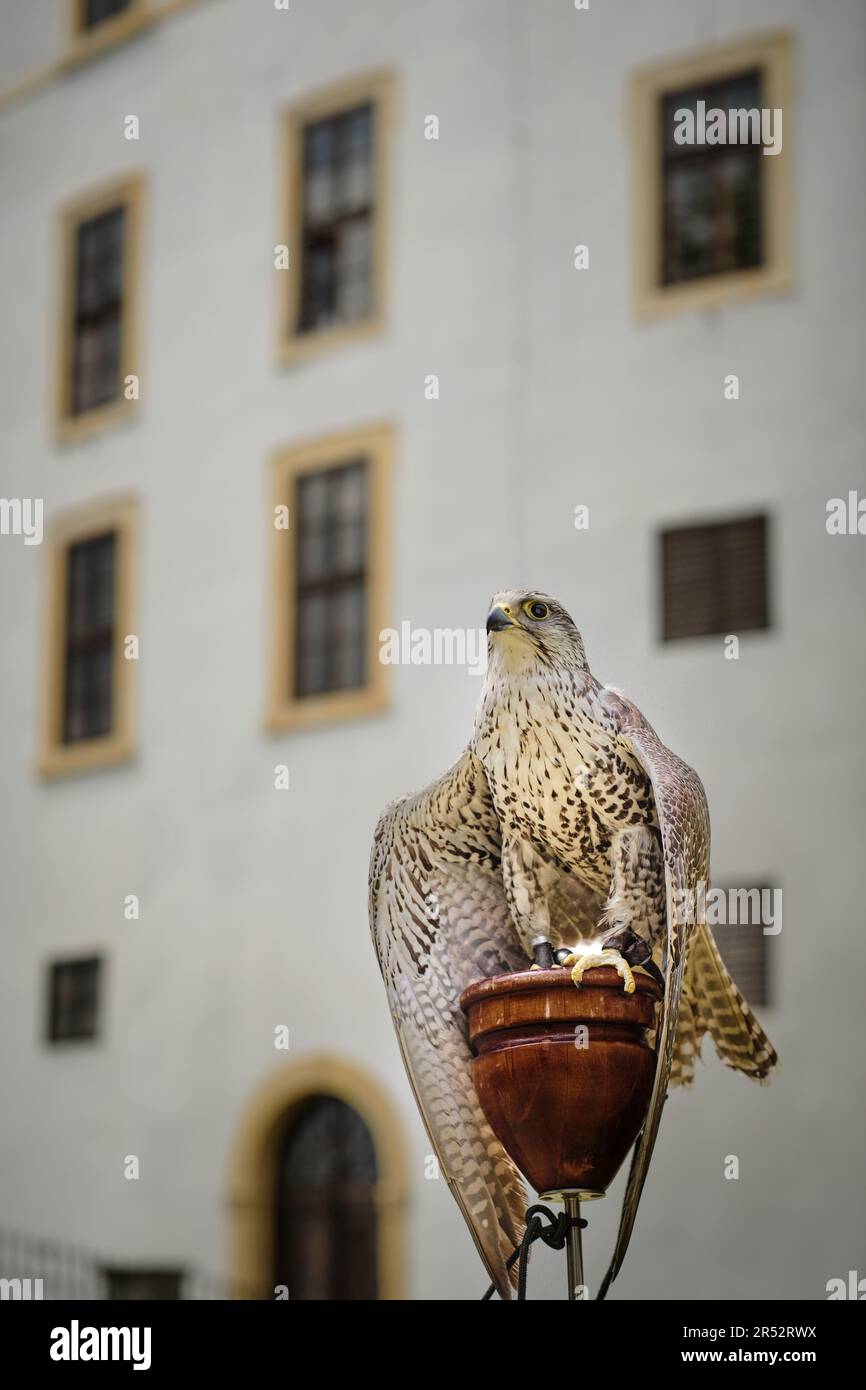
536	610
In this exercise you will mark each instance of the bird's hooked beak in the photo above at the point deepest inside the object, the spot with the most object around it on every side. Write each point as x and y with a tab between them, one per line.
499	618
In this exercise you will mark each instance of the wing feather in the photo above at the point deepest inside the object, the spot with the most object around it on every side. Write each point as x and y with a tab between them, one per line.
440	920
684	823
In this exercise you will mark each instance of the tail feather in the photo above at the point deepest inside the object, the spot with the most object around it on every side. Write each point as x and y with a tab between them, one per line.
712	1004
687	1045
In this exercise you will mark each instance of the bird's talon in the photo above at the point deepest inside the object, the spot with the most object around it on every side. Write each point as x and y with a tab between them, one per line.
622	968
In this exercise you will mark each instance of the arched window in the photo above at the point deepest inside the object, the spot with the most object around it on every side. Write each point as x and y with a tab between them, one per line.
325	1236
317	1186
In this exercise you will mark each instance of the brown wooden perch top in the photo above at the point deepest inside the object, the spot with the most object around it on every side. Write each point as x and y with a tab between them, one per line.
563	1073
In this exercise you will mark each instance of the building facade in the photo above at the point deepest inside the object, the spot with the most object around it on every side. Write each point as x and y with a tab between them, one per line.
324	319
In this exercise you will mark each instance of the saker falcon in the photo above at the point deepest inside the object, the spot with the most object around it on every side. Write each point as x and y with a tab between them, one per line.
567	818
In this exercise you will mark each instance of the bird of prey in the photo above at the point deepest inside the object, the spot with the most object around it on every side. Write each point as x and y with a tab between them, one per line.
567	818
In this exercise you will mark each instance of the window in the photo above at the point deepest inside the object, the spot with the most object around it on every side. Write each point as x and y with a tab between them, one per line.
714	579
711	194
88	664
330	646
291	1137
97	25
326	1237
95	12
335	213
98	342
98	310
336	220
90	637
142	1284
744	947
73	1005
712	221
329	576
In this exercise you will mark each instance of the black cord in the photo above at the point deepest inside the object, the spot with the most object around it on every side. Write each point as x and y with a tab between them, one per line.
555	1235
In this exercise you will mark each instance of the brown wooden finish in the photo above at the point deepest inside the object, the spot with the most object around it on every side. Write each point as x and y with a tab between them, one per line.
566	1114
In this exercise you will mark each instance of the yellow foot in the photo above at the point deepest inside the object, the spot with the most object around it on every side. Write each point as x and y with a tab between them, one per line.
582	963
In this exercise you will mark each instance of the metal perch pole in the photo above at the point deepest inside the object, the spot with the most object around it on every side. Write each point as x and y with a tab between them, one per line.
574	1249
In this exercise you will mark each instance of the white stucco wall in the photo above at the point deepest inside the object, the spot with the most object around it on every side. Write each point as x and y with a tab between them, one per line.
551	394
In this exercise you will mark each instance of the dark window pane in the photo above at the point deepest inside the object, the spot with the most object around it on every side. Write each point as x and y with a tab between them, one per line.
95	11
714	579
147	1284
354	272
330	580
98	310
336	219
73	999
745	948
348	625
711	197
89	638
325	1245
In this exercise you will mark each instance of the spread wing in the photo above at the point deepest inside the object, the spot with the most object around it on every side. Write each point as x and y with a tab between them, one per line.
440	921
684	823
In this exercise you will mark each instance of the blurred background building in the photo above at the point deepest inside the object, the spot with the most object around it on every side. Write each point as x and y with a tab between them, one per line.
326	318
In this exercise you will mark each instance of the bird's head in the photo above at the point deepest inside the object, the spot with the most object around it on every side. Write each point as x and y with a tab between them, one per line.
527	629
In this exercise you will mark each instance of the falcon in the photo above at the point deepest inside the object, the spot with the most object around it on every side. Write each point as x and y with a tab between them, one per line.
566	818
